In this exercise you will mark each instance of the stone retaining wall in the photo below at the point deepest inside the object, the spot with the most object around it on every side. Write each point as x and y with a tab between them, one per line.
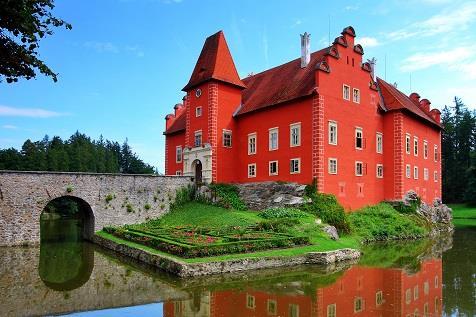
184	269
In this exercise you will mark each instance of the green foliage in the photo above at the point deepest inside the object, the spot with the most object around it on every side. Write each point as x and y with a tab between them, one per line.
274	213
326	207
110	197
403	208
147	206
278	225
129	208
311	189
383	222
228	196
183	196
77	154
69	189
22	24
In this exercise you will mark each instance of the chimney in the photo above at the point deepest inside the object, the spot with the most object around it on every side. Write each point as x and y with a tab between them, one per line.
425	104
415	97
305	49
177	107
372	63
436	114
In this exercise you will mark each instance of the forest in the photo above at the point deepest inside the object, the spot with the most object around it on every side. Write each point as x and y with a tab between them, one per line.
79	153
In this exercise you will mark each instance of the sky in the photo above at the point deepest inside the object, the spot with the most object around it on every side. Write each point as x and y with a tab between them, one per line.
123	65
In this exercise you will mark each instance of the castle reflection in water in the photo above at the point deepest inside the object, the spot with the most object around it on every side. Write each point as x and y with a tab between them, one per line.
359	291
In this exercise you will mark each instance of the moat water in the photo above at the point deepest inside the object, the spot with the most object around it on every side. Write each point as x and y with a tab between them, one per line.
421	278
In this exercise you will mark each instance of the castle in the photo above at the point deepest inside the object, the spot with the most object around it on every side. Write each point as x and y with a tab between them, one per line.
322	117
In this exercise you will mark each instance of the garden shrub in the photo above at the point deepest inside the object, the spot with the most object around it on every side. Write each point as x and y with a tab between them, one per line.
228	196
328	209
281	212
383	222
182	196
278	225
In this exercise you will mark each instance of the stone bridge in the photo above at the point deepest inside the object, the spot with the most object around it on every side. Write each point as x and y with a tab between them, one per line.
107	199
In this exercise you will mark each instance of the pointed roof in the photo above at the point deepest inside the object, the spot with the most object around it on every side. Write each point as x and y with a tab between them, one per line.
215	62
394	99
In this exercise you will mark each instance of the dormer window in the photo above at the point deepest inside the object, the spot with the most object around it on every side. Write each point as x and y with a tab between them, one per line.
198	93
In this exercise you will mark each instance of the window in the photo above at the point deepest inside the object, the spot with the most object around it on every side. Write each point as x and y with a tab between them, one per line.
226	138
426	287
425	149
332	166
415	146
408	171
273	168
416	292
379	298
436	153
379	143
178	173
426	310
436	282
356	95
295	166
250	302
358	304
178	154
425	174
198	93
331	310
359	168
333	132
273	139
293	310
415	172
435	176
407	143
408	296
358	138
251	143
272	307
379	170
198	138
295	134
251	170
198	112
346	92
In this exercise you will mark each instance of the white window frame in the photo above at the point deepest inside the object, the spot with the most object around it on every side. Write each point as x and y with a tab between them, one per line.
426	174
277	168
408	146
329	165
255	137
178	158
408	171
377	169
332	124
298	159
415	172
252	299
379	142
291	127
378	298
271	131
332	310
435	153
344	86
178	173
198	133
354	99
357	130
230	133
361	169
268	306
361	300
249	174
425	149
415	146
435	176
198	111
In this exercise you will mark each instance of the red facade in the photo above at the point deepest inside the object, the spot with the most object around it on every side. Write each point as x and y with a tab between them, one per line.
322	116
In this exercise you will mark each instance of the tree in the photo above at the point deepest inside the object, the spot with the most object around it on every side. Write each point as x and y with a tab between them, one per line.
22	24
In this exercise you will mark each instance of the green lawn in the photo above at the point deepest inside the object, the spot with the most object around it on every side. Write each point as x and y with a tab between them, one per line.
463	215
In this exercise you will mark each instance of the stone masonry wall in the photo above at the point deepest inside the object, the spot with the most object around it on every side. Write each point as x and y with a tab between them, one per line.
24	195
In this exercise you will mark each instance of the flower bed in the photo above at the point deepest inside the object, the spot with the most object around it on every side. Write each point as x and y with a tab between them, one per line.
191	242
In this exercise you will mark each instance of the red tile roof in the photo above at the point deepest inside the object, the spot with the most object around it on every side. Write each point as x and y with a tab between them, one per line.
280	84
178	125
214	62
394	99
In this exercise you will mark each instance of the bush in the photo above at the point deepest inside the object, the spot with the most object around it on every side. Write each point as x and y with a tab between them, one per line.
277	225
383	222
147	206
182	196
228	196
275	213
326	207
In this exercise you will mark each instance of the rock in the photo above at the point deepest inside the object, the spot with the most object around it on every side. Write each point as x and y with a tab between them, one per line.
411	197
278	199
264	195
331	232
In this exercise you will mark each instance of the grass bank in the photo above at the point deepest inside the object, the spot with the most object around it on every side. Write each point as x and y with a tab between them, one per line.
464	215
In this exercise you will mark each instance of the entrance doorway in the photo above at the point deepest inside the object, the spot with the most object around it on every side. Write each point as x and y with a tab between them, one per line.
197	166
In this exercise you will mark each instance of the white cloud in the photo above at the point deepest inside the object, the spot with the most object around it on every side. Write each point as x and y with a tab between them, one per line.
9	127
296	23
450	58
351	8
454	19
6	111
367	41
102	47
